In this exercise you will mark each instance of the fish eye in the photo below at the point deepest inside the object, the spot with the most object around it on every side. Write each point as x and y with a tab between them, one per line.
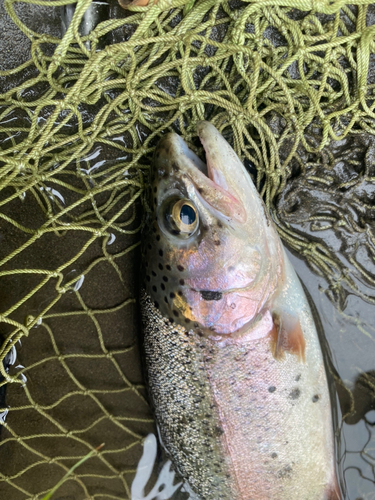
185	216
179	216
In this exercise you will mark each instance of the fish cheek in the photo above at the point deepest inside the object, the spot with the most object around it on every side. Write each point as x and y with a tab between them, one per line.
286	336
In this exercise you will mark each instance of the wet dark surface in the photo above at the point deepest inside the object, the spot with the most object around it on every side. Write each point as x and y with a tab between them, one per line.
77	387
329	199
15	45
83	371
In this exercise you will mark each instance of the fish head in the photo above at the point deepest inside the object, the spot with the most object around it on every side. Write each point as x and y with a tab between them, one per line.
212	257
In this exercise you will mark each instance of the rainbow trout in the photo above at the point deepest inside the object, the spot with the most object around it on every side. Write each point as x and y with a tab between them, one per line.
234	365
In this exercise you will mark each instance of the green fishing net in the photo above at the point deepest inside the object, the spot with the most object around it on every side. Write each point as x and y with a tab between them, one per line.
78	124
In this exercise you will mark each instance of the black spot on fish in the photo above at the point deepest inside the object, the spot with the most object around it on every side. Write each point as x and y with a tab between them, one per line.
295	394
187	320
149	246
182	282
272	388
285	471
218	431
156	304
175	312
153	273
168	267
161	253
298	378
160	266
165	278
219	224
217	242
180	268
155	189
158	237
273	455
148	278
166	300
315	398
162	286
210	295
172	295
154	288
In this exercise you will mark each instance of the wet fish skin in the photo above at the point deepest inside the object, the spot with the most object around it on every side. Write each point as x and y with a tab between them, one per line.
234	366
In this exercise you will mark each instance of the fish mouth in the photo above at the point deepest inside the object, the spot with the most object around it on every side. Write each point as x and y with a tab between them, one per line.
215	180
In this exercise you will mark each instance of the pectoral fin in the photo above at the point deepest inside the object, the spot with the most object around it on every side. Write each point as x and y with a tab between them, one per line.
287	336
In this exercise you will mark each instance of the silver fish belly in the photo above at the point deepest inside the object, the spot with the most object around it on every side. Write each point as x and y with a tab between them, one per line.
234	365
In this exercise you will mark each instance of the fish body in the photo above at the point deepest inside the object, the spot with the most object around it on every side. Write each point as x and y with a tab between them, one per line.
234	365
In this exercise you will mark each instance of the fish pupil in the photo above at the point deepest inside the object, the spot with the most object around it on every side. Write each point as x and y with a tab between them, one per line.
187	215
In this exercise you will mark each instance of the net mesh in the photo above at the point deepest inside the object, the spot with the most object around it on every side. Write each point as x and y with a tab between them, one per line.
78	124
